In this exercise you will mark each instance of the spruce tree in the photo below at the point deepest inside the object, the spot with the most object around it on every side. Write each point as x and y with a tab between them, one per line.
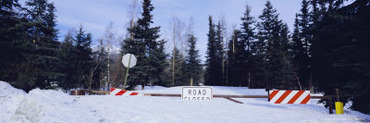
67	53
234	69
12	35
272	33
192	61
162	77
40	48
144	45
339	53
245	58
84	61
213	75
180	75
297	54
304	21
218	44
98	72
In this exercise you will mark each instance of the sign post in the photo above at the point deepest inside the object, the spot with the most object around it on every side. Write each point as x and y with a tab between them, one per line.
128	61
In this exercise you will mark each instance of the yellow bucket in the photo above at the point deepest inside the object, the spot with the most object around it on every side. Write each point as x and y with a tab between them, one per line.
339	107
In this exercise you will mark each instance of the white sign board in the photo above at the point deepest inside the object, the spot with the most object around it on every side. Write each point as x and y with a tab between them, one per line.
129	59
197	93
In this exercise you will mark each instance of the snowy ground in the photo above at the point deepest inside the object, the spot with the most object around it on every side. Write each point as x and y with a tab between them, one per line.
47	106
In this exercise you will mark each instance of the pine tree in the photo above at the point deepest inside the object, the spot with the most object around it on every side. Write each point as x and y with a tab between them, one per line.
304	21
193	66
98	73
84	61
339	52
219	53
162	77
11	36
247	36
145	47
234	66
288	69
40	48
67	53
273	35
297	54
213	74
180	75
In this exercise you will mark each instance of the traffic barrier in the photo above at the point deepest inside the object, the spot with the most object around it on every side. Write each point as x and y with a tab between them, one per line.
120	92
289	97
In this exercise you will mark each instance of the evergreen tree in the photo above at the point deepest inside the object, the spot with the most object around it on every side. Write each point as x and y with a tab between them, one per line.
304	24
84	61
218	44
67	53
213	74
144	45
162	77
246	38
297	54
288	68
273	35
234	66
180	75
40	65
98	73
193	66
339	52
12	34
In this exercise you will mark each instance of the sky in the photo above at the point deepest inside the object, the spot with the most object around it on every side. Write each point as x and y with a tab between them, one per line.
96	15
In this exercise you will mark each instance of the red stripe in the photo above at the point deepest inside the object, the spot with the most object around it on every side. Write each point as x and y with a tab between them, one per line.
286	93
112	89
273	94
133	93
121	92
295	97
305	100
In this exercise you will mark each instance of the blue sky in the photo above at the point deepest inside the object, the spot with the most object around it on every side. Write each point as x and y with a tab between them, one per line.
95	15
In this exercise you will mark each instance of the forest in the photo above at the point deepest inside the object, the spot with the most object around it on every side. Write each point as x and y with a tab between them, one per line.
325	51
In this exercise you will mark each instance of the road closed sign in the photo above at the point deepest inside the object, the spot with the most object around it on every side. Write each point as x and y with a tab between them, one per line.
197	93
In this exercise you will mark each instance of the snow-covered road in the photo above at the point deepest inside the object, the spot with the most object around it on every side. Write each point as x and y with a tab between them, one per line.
47	106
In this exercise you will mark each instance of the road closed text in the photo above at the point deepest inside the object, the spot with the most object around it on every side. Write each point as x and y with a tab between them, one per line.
197	93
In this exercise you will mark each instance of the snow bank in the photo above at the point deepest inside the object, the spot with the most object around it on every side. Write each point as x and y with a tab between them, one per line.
6	90
56	106
10	98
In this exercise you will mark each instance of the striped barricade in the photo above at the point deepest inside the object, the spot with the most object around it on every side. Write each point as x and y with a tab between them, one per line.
120	92
289	96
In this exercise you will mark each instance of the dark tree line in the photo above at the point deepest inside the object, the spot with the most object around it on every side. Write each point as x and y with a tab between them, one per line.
326	50
33	57
153	67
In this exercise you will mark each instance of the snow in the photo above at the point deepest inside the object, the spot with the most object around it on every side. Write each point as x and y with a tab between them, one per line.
56	106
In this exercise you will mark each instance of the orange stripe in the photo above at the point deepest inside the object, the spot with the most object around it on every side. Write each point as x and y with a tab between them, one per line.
286	93
121	92
133	93
305	100
295	97
112	89
273	94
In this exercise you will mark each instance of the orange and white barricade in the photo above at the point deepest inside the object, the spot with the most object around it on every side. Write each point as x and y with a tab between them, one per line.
120	92
289	96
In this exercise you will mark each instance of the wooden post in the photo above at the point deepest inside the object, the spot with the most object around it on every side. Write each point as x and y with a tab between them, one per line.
337	93
330	106
268	95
